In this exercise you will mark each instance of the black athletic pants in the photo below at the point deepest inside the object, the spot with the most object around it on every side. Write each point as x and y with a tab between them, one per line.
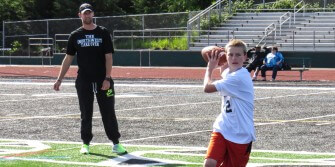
106	102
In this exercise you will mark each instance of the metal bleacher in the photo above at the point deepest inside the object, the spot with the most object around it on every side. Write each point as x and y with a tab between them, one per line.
291	31
314	32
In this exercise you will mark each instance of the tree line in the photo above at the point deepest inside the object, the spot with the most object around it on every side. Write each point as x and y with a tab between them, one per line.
15	10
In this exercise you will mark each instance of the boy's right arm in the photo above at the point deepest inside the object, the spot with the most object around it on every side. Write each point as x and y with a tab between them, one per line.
65	67
213	61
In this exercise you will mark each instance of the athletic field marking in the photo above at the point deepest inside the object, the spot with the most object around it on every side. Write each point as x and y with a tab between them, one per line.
34	83
177	151
66	95
12	94
157	146
4	101
258	124
155	137
295	120
152	107
283	96
75	95
170	85
321	124
169	105
34	146
303	121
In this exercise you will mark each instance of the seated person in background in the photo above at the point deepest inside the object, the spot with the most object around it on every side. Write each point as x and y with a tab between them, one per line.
257	56
273	61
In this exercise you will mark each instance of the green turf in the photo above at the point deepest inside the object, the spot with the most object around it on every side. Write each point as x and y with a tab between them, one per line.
18	163
194	159
98	153
70	152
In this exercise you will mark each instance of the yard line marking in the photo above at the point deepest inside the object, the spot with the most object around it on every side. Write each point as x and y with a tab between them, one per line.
295	120
169	105
7	94
20	100
169	85
293	95
260	124
327	123
75	95
162	136
152	107
294	88
34	83
65	95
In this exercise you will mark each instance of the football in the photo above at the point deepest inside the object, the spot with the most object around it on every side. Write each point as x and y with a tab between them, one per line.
209	49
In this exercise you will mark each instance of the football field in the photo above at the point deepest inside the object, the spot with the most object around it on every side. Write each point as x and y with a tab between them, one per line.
163	122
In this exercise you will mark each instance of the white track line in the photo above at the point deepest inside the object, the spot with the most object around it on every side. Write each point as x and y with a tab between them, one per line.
20	100
157	85
295	120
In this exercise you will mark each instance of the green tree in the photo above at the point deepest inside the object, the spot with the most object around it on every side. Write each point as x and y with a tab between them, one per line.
158	6
65	8
12	10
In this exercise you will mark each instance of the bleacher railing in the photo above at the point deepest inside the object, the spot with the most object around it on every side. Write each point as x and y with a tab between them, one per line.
295	10
270	29
205	16
317	40
283	19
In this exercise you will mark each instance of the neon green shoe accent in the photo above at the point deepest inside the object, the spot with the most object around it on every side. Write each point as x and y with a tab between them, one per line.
85	149
119	149
109	93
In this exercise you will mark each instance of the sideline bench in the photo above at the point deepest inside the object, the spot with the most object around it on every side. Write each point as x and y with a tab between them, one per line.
298	64
301	70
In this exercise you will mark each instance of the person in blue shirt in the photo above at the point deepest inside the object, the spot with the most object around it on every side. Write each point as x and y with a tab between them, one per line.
273	61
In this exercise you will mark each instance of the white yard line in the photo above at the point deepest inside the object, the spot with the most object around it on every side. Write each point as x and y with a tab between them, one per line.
157	85
172	150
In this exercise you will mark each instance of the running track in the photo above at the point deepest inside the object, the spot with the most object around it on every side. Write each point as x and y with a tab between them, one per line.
314	74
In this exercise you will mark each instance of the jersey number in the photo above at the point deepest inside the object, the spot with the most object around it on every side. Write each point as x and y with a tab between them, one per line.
228	109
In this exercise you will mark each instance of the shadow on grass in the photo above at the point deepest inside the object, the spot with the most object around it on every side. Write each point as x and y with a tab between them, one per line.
102	155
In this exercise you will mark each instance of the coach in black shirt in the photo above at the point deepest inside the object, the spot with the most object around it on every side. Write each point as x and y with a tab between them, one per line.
256	55
93	47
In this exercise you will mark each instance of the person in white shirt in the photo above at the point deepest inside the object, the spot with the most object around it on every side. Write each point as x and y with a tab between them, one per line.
233	130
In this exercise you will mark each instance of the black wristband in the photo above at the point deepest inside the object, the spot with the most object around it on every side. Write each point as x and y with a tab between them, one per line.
108	78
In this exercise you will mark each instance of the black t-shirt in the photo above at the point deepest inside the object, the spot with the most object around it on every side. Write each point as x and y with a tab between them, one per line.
256	57
90	47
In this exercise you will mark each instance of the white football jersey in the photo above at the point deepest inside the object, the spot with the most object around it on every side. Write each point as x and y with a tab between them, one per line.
235	121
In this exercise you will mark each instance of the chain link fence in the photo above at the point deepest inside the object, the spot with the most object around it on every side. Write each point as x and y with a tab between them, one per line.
34	37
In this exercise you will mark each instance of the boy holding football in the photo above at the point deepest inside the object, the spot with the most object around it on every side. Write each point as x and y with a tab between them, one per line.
233	130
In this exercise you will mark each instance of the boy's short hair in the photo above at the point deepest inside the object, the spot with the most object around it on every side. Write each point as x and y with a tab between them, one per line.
275	48
237	43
